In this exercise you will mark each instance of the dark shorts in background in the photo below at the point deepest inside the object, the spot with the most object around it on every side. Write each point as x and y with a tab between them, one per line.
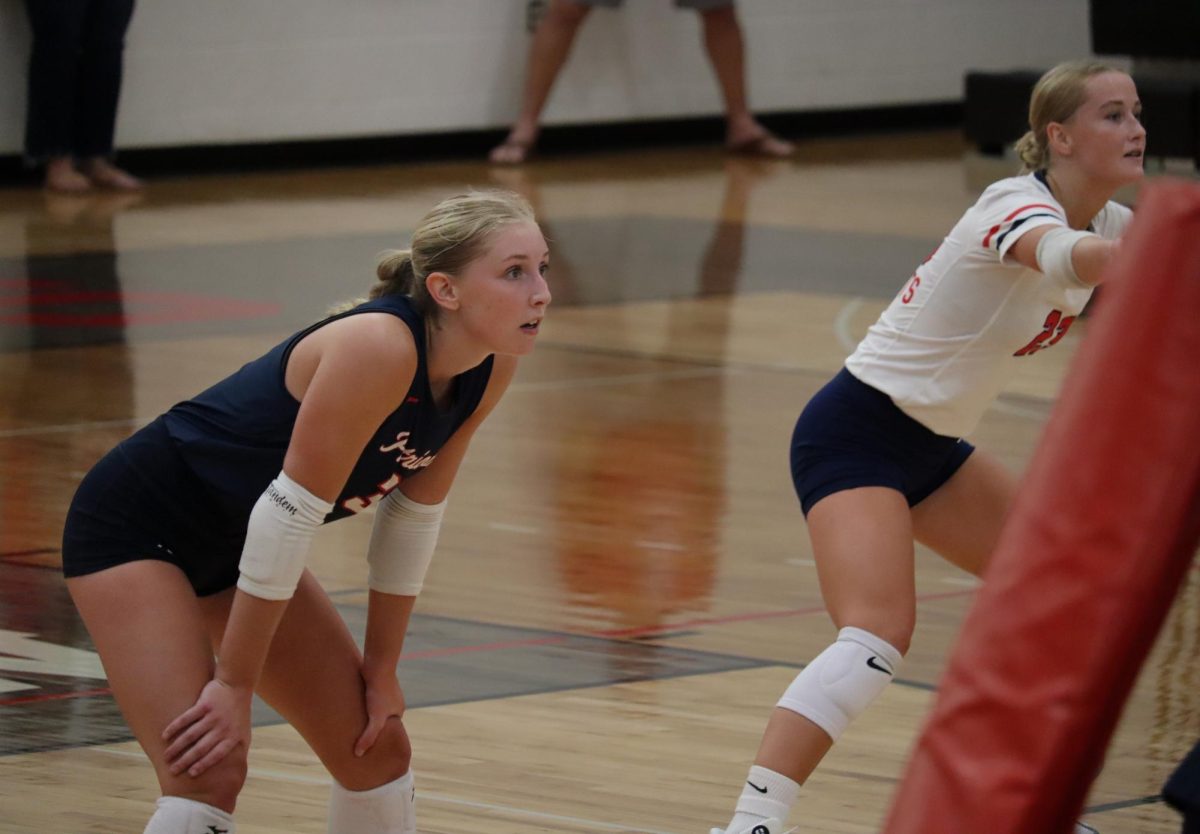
852	435
142	501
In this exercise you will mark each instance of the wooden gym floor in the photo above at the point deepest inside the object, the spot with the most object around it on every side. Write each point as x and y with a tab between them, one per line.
623	585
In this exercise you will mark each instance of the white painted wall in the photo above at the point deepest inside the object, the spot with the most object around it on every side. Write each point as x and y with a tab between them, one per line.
225	71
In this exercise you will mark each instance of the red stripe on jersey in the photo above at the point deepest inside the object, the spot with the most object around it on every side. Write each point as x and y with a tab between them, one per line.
988	238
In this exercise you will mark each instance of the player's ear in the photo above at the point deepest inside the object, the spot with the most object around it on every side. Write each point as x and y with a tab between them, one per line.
442	290
1058	139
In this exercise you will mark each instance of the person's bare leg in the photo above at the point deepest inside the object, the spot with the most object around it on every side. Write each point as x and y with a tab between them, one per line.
727	52
312	677
154	681
863	546
548	51
962	519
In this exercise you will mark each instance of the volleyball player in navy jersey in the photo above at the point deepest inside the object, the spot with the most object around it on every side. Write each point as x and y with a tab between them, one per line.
191	535
878	457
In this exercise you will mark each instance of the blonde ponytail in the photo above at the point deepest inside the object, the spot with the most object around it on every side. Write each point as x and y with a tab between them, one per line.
1033	156
394	273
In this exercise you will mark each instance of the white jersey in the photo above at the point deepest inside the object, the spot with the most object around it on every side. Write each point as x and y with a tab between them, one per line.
961	326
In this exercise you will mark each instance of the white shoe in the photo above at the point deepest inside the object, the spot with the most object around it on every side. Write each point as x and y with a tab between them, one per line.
1084	828
767	826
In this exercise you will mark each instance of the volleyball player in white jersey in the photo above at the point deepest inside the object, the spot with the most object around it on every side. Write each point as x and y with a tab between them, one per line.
877	455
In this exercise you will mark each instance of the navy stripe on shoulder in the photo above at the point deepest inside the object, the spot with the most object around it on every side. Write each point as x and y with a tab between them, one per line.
1017	223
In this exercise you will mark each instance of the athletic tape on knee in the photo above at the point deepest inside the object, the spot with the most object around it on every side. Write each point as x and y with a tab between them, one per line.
387	809
277	538
178	815
842	681
402	543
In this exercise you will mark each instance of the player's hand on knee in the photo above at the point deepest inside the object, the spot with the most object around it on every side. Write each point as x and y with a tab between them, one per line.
203	735
384	700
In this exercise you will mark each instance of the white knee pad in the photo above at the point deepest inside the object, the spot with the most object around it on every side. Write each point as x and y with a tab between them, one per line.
177	815
842	681
388	809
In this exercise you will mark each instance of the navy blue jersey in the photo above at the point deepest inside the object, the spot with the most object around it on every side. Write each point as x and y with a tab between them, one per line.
235	434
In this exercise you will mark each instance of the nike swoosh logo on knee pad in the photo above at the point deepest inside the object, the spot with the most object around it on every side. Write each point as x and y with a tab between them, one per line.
871	662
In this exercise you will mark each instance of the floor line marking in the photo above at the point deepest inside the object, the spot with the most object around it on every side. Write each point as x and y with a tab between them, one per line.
63	428
1123	803
841	324
40	551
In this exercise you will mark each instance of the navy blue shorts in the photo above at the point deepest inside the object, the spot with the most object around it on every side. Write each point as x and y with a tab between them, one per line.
142	501
852	435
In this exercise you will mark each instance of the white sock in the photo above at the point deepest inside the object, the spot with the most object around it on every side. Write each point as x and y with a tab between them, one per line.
177	815
766	795
387	809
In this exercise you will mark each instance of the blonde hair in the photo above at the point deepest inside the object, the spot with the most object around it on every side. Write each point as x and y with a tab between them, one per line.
454	233
1056	96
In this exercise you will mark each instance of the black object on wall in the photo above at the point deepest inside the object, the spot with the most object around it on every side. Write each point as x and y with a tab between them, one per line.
1168	29
996	112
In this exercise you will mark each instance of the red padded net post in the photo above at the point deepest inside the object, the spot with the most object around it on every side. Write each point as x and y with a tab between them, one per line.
1097	544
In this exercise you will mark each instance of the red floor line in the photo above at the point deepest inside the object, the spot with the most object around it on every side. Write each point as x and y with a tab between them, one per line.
58	696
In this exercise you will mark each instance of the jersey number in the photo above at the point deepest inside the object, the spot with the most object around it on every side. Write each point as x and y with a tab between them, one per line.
356	504
1053	330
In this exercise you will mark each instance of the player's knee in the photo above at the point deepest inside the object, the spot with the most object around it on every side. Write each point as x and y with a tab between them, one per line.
388	759
393	744
228	777
892	624
842	681
897	634
225	792
218	786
